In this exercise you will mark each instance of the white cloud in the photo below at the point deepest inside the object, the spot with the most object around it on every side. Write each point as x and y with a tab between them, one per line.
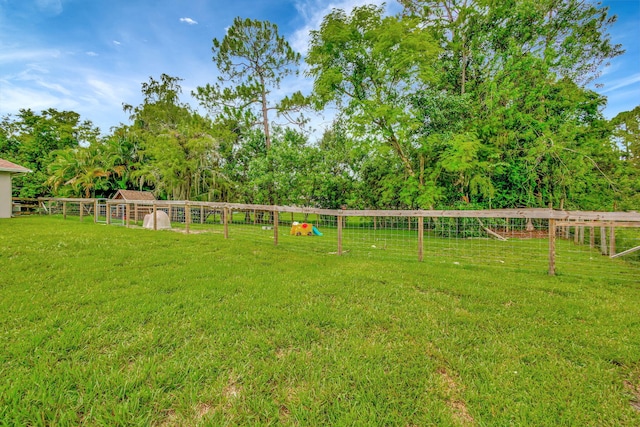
117	43
54	87
28	55
30	73
112	92
36	76
188	21
90	53
14	98
621	83
96	97
103	89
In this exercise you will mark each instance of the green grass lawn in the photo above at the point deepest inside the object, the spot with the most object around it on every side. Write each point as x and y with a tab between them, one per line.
103	325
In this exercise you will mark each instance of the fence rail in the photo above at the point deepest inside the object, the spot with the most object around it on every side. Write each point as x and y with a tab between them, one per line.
532	234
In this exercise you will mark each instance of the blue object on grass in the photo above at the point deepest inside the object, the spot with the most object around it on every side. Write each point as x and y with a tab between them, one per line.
316	231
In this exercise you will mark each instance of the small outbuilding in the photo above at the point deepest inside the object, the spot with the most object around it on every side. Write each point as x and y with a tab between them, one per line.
133	195
128	196
6	170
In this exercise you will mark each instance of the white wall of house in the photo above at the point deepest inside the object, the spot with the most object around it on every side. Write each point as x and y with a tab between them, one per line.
5	195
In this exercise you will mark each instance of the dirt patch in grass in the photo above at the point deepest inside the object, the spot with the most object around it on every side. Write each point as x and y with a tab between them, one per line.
232	390
183	231
284	352
203	409
635	391
458	406
284	413
170	419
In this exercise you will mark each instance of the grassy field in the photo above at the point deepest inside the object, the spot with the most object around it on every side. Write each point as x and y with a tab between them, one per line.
103	325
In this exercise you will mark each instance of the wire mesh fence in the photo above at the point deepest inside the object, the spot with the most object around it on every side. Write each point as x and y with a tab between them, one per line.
600	249
587	244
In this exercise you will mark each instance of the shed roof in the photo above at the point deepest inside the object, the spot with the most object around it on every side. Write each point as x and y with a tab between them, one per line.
133	195
7	166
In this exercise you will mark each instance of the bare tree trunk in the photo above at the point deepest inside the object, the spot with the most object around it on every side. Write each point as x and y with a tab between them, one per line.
265	116
463	79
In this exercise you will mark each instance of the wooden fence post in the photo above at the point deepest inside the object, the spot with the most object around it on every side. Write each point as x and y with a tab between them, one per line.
155	216
339	221
81	211
95	210
612	240
603	241
127	214
225	220
201	214
420	239
187	216
64	210
108	212
592	237
552	247
275	228
135	213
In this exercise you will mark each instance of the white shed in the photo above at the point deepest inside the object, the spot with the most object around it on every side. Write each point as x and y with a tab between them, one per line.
6	170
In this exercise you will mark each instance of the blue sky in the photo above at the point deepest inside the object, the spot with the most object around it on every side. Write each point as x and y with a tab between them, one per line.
91	56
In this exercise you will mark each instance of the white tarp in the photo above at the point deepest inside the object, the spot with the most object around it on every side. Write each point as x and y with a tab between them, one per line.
162	218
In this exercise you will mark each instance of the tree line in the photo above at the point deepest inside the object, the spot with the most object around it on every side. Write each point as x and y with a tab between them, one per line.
475	104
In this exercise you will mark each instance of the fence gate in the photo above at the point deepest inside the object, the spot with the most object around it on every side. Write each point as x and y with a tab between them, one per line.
101	211
116	213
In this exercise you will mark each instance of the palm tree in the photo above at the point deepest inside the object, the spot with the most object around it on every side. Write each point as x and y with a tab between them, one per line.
78	171
62	170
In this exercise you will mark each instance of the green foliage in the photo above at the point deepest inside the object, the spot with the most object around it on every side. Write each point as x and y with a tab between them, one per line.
285	174
30	139
253	58
179	147
522	66
371	66
626	142
79	172
450	104
338	168
627	135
